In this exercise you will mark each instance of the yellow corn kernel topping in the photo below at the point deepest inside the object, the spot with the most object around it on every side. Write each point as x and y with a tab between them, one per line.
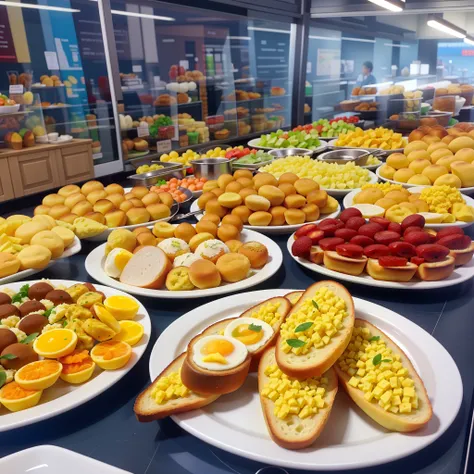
302	398
441	198
268	313
325	311
170	388
378	372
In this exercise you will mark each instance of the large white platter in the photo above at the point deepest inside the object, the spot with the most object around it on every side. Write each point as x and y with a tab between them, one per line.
254	144
349	200
406	185
74	248
271	229
47	459
95	262
332	143
104	235
62	397
350	439
460	274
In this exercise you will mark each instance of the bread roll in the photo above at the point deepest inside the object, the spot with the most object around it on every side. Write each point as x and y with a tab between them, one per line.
243	212
139	191
204	274
52	200
66	235
9	264
41	210
257	203
234	220
273	194
34	256
69	189
227	232
50	240
73	199
185	231
26	231
256	252
116	199
294	216
91	186
82	208
96	216
59	210
233	267
96	195
260	218
114	188
103	206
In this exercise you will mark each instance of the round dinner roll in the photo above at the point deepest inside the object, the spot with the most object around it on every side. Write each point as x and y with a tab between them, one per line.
96	195
261	179
287	188
96	216
224	179
129	195
217	191
257	203
139	191
272	193
213	207
245	182
295	216
230	200
295	201
41	210
150	198
243	174
233	187
234	245
318	197
50	240
233	220
146	239
243	212
82	208
137	215
204	198
185	231
69	218
116	198
288	178
91	186
9	264
247	192
59	210
204	274
158	211
52	200
278	215
114	188
227	232
48	221
136	202
262	218
73	199
256	252
211	217
166	199
198	239
311	211
305	185
69	189
163	230
34	256
125	205
233	267
206	226
210	185
115	218
103	206
66	235
141	230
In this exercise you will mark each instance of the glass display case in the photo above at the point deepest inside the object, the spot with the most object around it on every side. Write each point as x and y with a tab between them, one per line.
54	49
192	77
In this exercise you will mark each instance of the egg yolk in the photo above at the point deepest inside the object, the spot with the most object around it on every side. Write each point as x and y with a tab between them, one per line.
121	259
219	346
246	335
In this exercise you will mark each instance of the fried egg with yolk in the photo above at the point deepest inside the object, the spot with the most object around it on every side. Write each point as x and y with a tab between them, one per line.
252	332
219	352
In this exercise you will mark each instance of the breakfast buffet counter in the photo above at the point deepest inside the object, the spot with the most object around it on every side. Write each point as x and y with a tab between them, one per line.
105	428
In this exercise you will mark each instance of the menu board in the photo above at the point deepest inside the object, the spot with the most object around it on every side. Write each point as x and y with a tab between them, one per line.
7	47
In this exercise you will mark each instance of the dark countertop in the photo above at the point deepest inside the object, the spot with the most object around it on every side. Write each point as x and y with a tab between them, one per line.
105	428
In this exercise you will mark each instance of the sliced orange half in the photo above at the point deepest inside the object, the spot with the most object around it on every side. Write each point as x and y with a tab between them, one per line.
55	343
131	332
122	307
111	355
78	367
38	375
15	398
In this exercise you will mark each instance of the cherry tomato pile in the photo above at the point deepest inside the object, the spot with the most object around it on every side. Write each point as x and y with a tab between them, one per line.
171	186
239	152
351	119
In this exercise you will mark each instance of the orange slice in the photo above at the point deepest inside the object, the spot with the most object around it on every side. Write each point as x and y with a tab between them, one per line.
131	332
55	343
78	367
38	375
122	307
15	398
111	355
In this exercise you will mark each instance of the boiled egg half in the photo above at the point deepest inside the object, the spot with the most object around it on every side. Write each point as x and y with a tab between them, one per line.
252	332
116	261
219	352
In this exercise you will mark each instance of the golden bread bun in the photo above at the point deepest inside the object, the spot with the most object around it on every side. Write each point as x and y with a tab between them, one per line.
294	216
198	239
227	232
137	215
294	201
206	226
126	206
91	186
146	238
121	239
185	231
114	188
50	240
223	180
230	200
204	274
233	267
115	218
260	218
311	211
261	179
257	203
243	174
204	198
139	191
213	207
318	197
52	200
69	189
278	215
243	212
245	182
103	206
163	230
66	235
167	199
82	208
48	221
288	178
34	256
305	185
116	199
244	192
73	199
96	195
96	216
275	195
58	210
211	217
256	252
26	231
287	189
151	198
234	245
9	264
234	220
158	211
41	210
69	218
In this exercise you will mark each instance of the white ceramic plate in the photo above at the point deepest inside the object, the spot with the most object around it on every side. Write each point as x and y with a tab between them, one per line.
388	152
406	185
350	440
47	459
62	397
95	260
460	274
104	235
271	230
349	199
74	248
254	144
9	109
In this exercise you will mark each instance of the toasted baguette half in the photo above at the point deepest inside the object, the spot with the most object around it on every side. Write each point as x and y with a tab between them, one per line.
146	409
290	435
294	296
283	310
394	422
318	361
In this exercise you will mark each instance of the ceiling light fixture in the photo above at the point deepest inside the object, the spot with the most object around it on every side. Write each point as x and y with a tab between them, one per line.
392	5
271	30
438	23
39	7
142	15
469	40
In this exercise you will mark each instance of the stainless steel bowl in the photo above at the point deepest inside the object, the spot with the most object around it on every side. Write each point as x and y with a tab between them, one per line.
176	170
346	155
211	168
284	152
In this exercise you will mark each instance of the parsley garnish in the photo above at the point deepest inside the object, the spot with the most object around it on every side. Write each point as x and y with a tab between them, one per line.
295	343
48	312
378	359
9	357
303	326
315	304
3	378
30	338
23	293
255	327
374	338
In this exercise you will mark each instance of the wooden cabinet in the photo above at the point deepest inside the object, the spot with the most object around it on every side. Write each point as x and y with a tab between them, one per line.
44	167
